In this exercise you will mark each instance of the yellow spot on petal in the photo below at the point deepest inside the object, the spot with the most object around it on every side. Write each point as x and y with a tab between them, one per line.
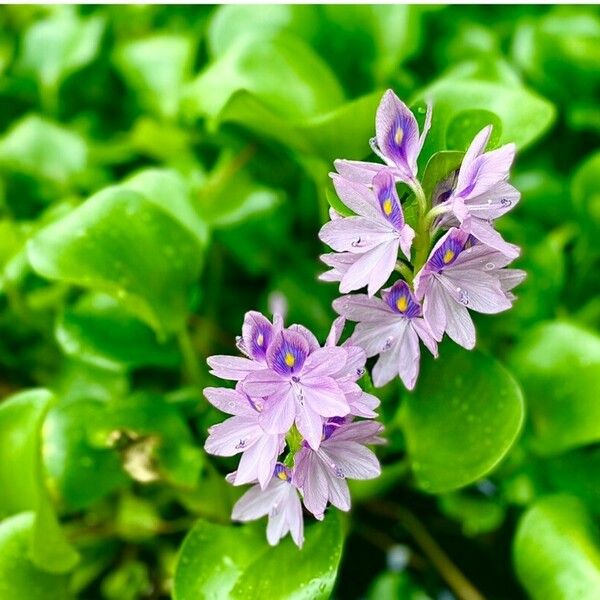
402	303
289	359
387	206
260	339
448	256
282	474
399	135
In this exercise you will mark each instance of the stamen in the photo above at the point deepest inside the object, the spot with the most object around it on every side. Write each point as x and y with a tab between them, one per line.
448	256
402	303
289	359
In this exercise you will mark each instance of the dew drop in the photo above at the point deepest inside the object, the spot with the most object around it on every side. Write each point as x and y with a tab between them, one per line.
388	344
338	472
241	444
463	297
360	372
506	202
489	266
356	243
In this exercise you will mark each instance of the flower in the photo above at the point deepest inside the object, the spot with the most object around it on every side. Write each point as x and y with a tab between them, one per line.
242	433
391	328
298	386
368	242
480	193
459	275
280	501
257	335
397	143
322	473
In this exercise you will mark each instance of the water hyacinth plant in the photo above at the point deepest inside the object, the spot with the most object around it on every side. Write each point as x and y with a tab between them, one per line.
295	396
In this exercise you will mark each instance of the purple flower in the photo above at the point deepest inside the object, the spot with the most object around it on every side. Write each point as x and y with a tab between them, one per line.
298	385
480	194
397	143
257	335
243	433
459	275
322	473
280	501
391	328
368	242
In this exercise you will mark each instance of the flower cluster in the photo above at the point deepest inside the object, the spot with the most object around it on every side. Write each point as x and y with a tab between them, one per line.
454	262
294	410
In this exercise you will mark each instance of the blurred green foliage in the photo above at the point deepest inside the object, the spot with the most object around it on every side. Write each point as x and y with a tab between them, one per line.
163	170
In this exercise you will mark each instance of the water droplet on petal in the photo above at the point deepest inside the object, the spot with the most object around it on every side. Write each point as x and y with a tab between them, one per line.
463	297
241	444
387	344
356	243
489	266
506	202
338	472
360	372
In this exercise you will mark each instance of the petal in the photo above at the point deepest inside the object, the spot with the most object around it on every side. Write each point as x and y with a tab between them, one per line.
410	357
358	171
356	234
354	460
256	503
510	278
279	411
311	477
475	290
309	336
407	235
379	336
384	267
356	196
229	401
263	383
495	202
434	308
397	133
324	397
360	307
232	436
363	432
309	424
424	332
459	325
486	234
257	333
333	337
325	361
258	461
288	352
232	367
387	366
363	405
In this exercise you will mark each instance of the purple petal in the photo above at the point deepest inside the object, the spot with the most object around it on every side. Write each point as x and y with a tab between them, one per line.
510	278
258	462
333	337
363	432
232	436
325	361
360	307
309	336
475	290
485	233
309	424
402	301
257	333
357	197
287	352
279	411
340	263
355	234
229	401
495	202
263	383
384	187
447	250
232	367
397	133
379	336
324	397
358	171
352	459
363	405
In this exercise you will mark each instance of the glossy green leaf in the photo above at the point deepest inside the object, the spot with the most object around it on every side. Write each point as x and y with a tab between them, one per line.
558	364
79	474
219	561
585	192
455	96
55	47
99	331
39	148
283	73
557	551
128	245
21	477
458	432
156	68
20	578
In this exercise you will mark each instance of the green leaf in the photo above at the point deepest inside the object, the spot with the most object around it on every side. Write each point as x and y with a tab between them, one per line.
156	69
557	551
156	441
39	148
476	514
79	473
283	73
130	245
462	419
97	330
55	47
21	478
217	561
19	576
481	102
558	364
585	192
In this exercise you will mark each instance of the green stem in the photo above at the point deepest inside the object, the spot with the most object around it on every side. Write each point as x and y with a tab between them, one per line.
422	238
405	271
190	360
